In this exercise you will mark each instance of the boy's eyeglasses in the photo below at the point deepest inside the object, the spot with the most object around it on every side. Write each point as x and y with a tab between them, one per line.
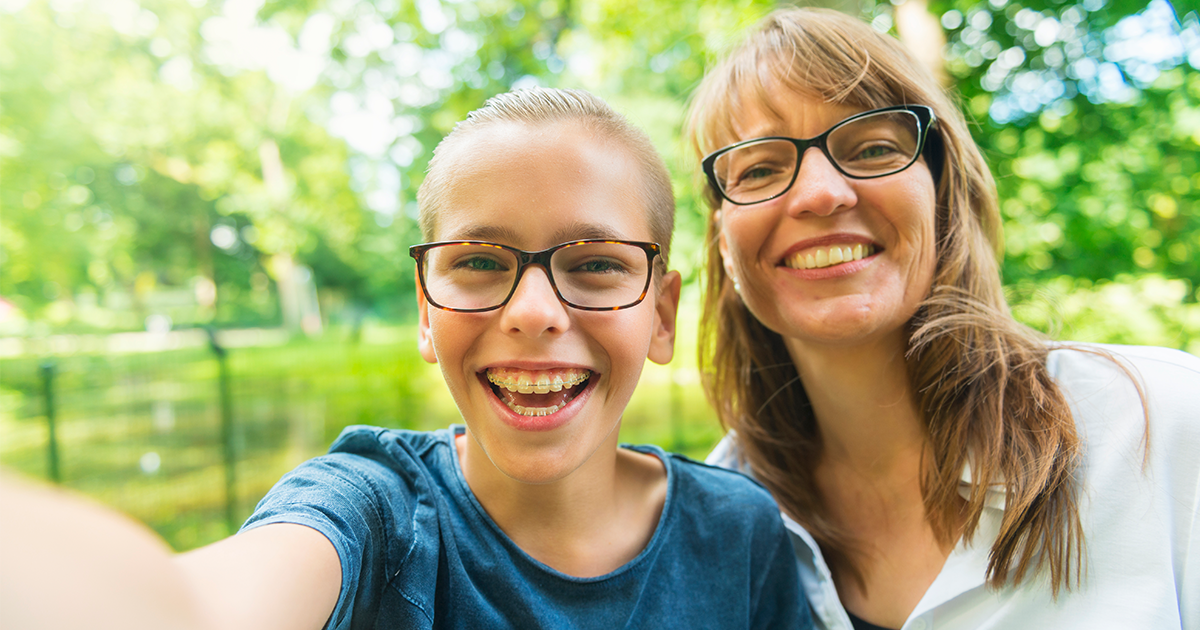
477	276
864	146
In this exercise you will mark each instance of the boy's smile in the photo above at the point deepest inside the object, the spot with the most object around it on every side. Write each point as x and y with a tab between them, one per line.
542	385
537	393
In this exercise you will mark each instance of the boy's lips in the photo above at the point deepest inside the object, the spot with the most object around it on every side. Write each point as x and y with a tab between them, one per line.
537	393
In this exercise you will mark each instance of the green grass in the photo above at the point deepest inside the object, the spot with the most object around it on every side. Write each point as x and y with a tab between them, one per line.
116	411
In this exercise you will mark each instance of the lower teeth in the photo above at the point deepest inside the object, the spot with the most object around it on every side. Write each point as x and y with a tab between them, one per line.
534	411
530	411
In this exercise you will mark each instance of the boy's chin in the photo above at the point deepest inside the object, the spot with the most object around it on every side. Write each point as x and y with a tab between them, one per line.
540	467
545	458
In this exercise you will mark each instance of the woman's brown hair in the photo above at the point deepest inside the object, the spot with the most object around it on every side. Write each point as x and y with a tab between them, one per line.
979	376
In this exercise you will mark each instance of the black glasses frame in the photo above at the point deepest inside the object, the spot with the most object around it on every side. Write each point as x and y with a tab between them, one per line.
925	117
525	259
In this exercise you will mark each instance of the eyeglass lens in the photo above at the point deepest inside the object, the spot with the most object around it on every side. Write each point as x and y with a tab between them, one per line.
591	275
871	146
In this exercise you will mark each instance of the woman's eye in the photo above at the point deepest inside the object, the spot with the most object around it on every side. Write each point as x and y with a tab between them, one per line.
875	152
757	173
755	177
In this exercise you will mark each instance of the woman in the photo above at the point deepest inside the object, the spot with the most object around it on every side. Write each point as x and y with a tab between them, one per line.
938	463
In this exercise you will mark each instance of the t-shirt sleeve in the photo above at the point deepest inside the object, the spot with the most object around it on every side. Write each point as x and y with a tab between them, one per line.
364	507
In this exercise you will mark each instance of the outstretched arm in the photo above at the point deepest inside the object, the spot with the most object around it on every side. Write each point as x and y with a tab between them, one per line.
66	562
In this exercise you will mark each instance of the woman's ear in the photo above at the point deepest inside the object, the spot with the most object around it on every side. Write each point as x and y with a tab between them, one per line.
723	247
424	337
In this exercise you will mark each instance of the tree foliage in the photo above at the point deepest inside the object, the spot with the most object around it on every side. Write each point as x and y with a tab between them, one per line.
155	150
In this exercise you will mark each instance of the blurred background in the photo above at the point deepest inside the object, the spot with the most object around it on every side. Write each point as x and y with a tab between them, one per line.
205	206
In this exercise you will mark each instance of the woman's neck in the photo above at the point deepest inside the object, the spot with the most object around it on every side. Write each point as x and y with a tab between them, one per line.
589	523
869	473
864	406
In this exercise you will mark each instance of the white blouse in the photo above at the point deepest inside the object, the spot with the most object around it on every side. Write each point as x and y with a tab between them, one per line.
1139	512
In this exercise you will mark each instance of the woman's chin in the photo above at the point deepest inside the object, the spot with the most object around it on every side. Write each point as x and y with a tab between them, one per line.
844	330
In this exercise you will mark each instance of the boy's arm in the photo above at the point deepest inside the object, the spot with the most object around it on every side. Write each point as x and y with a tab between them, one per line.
276	576
68	563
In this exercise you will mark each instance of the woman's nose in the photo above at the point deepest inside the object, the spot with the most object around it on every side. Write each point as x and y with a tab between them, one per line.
534	308
819	187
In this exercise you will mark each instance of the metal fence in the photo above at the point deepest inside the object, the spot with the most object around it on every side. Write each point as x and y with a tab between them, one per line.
187	431
187	434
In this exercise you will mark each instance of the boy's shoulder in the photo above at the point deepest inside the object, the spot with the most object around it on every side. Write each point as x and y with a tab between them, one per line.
379	466
369	466
370	441
712	489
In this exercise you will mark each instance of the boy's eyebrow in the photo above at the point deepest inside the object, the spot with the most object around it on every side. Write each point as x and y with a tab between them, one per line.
584	231
496	233
578	231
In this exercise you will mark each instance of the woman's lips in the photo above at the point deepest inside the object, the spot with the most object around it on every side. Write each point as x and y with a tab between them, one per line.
828	255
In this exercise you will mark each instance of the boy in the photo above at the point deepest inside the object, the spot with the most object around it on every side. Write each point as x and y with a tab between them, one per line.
543	291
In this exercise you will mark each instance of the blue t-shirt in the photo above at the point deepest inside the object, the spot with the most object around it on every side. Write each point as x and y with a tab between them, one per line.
418	550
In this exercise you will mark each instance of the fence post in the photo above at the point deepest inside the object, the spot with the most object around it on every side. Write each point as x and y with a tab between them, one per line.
53	470
677	439
227	449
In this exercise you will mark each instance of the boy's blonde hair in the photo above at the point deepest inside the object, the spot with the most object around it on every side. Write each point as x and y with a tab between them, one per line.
549	106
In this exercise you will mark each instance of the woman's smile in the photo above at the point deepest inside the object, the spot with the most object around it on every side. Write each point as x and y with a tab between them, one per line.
828	256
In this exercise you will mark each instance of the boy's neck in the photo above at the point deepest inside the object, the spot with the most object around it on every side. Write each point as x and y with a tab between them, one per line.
590	523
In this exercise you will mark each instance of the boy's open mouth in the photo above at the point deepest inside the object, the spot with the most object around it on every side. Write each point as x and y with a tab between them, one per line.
537	392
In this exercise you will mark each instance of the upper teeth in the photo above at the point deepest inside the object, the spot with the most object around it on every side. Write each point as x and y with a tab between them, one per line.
536	383
826	256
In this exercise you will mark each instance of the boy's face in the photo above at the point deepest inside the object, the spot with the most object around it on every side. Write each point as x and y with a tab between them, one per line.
533	188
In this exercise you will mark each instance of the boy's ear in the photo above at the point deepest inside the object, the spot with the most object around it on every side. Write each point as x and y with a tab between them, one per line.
666	306
424	340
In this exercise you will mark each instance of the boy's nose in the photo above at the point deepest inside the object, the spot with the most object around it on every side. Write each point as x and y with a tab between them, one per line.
534	308
819	187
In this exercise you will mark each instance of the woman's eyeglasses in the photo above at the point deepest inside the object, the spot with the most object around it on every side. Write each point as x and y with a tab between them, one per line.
872	144
592	275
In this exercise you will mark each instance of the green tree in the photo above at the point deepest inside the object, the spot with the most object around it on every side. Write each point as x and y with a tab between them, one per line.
133	169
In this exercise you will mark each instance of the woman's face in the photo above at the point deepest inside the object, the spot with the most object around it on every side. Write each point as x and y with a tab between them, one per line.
783	252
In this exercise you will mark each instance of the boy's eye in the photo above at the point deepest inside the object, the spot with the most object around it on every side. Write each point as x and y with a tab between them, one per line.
479	263
600	265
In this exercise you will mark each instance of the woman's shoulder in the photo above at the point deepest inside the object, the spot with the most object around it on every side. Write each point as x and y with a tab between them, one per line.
1136	396
1114	377
1068	360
